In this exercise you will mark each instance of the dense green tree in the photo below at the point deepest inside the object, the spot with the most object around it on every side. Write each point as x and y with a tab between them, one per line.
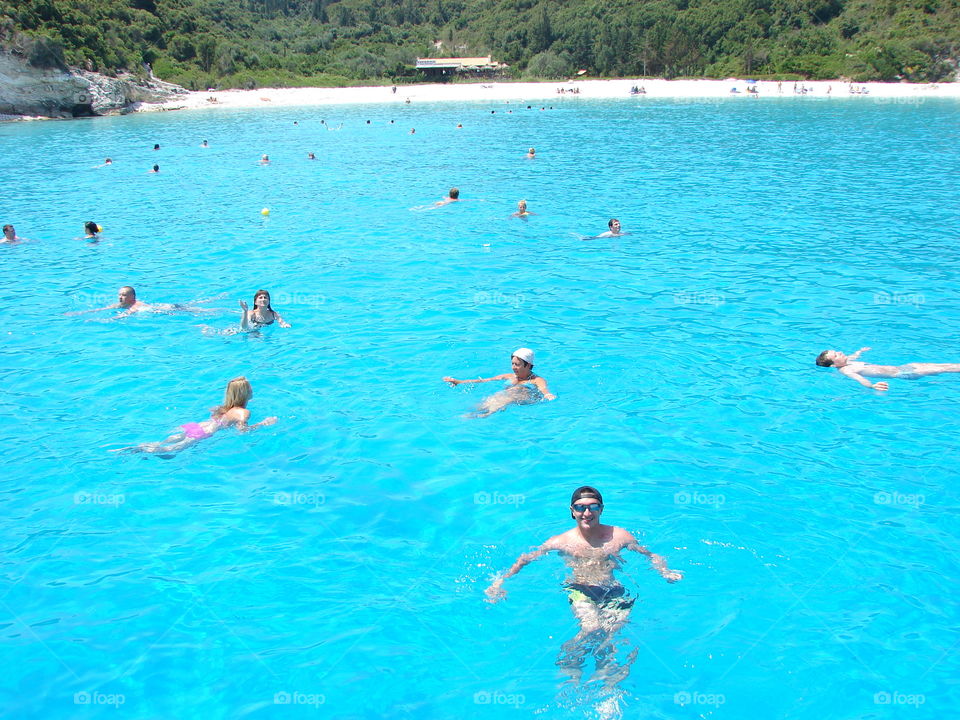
299	42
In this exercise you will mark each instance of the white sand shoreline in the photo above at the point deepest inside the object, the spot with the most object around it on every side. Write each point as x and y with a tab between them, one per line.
540	92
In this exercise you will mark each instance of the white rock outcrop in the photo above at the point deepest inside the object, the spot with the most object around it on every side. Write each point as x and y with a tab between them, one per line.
57	92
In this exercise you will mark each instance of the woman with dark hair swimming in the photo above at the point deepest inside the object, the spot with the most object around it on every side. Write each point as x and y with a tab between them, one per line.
261	315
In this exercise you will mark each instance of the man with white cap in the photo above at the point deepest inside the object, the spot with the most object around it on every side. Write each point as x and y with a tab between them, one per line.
524	387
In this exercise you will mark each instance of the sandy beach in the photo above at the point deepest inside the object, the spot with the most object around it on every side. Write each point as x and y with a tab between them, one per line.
890	93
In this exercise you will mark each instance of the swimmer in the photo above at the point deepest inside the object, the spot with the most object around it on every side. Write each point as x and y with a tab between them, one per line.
614	230
851	367
204	144
233	412
92	230
10	235
601	605
156	169
454	196
413	131
261	315
157	146
523	386
522	210
106	162
531	153
264	159
311	156
128	302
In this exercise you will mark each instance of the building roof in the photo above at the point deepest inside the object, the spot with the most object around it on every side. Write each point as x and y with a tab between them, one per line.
467	63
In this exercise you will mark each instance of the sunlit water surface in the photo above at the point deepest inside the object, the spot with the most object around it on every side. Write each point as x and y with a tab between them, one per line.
333	565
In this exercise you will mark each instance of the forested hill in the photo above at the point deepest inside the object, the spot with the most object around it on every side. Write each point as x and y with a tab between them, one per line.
249	43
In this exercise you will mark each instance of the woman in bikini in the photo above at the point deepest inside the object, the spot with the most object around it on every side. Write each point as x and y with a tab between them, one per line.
261	315
233	412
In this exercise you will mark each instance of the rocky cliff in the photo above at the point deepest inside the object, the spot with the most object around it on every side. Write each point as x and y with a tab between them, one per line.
34	81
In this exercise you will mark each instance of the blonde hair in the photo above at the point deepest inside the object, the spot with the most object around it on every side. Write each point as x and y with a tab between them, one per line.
238	394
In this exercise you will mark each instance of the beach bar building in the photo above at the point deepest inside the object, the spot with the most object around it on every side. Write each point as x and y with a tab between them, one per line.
440	68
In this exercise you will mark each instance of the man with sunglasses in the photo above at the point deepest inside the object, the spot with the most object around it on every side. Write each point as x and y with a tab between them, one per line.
599	602
592	550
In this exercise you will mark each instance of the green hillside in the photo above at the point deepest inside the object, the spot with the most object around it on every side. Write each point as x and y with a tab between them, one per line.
250	43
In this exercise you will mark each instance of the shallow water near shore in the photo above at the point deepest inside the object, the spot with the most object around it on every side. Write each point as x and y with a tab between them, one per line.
333	564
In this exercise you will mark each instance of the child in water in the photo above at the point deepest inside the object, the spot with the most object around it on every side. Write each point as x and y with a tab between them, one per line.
233	412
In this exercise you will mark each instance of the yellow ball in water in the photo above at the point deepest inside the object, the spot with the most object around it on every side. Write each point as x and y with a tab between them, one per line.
265	212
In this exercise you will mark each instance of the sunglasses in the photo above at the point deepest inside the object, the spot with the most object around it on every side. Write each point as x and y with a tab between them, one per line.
592	507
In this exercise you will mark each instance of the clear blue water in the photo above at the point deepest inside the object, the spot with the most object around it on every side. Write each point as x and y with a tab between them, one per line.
340	556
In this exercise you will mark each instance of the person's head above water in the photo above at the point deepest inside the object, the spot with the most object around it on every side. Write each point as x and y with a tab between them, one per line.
9	232
454	193
156	168
238	393
532	151
126	296
580	503
108	161
157	146
830	358
521	362
91	227
522	206
262	300
613	224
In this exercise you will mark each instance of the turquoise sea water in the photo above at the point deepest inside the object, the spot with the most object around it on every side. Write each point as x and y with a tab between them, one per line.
333	565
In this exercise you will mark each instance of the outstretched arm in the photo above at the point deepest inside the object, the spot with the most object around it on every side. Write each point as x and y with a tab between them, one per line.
496	592
243	415
245	317
864	381
542	384
857	353
280	321
658	561
454	381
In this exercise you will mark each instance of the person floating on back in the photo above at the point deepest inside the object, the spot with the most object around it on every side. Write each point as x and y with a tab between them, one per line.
233	412
853	368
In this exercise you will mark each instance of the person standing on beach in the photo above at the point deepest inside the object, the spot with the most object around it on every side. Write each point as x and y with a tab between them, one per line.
851	367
